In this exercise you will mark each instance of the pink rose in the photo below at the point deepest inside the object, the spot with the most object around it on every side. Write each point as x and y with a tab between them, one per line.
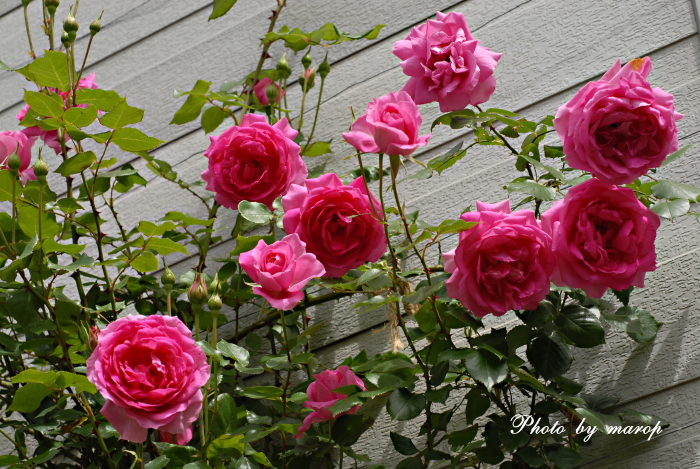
502	263
255	161
260	90
602	237
282	269
336	222
446	64
177	439
150	371
390	125
11	141
322	397
619	127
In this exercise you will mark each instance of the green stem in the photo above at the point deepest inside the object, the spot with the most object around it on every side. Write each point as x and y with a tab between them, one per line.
29	33
52	19
14	207
168	300
340	464
313	127
98	434
303	103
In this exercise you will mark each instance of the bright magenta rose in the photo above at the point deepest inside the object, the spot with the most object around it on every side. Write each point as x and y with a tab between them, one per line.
336	222
502	263
11	141
446	64
255	161
150	371
390	125
322	397
282	270
603	237
260	90
619	127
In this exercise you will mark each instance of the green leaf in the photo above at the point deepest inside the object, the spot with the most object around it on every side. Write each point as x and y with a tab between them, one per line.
159	463
228	418
530	456
151	229
47	378
6	181
402	444
638	323
76	164
671	209
79	382
550	356
477	404
404	405
255	212
675	190
234	351
193	105
51	70
564	457
212	119
165	246
448	160
261	392
50	105
343	405
122	114
29	397
532	188
553	152
539	316
581	326
414	462
245	244
133	140
104	100
221	7
146	262
83	261
328	34
317	149
486	367
28	220
675	155
347	429
80	117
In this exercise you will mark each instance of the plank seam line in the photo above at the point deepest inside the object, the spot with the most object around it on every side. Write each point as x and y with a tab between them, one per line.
10	11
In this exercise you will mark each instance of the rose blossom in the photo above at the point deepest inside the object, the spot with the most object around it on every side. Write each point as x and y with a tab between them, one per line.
260	90
619	127
11	141
446	64
602	237
502	263
282	269
255	161
337	222
390	125
322	397
150	372
179	439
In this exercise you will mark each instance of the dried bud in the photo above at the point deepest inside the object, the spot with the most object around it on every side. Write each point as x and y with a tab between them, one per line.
70	24
324	69
308	79
168	277
198	292
95	27
283	68
41	169
14	163
272	92
51	6
306	60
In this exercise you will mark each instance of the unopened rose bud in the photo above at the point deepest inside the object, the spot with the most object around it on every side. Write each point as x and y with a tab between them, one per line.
168	277
95	27
198	292
93	338
215	285
65	39
324	69
51	6
308	79
41	169
283	69
14	163
70	24
215	304
306	60
272	93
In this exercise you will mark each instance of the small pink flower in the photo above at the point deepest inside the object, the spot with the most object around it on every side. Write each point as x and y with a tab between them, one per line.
619	127
503	263
255	161
390	125
150	372
446	64
19	141
260	90
322	397
282	270
602	237
337	222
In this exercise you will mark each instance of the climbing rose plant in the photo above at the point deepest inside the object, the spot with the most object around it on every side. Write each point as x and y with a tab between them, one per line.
111	360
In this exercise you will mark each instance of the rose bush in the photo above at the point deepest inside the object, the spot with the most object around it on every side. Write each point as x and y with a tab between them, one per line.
19	142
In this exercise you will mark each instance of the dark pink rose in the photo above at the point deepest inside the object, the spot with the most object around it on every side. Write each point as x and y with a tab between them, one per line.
602	237
260	90
619	127
322	397
336	222
11	141
282	270
503	263
150	372
255	161
390	125
177	439
446	64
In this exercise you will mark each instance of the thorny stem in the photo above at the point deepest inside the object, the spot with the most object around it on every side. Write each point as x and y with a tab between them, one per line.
313	127
303	101
29	33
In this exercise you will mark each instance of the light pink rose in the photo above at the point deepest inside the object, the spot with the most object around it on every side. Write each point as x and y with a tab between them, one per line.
177	439
602	237
255	161
503	263
446	64
619	127
150	372
390	125
322	397
11	141
260	90
336	222
282	270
